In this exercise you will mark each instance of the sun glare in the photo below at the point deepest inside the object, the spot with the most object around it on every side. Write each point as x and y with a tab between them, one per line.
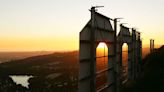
125	47
102	45
101	64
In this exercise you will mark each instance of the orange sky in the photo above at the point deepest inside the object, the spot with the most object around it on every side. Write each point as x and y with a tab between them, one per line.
32	25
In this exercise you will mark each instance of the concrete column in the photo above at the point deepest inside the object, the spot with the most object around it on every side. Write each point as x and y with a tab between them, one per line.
118	66
134	53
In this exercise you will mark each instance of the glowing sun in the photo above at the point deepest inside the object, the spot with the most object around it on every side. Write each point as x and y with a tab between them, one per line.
102	45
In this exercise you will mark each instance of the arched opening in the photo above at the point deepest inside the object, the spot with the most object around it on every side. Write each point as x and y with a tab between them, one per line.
124	62
101	65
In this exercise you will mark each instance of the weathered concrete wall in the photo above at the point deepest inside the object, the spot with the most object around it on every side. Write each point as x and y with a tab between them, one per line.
134	54
124	36
103	32
99	29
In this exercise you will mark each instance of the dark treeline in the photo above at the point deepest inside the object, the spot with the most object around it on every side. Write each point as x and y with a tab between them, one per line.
152	76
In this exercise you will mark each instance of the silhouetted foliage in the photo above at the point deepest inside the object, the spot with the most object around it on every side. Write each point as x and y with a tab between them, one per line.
152	76
7	85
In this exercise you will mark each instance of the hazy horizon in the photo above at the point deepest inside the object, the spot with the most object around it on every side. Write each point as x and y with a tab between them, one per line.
144	47
34	25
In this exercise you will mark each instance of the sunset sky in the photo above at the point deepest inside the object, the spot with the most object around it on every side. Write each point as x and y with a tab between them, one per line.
31	25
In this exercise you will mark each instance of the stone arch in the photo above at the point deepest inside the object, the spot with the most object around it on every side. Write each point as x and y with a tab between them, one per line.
103	32
101	65
124	62
124	36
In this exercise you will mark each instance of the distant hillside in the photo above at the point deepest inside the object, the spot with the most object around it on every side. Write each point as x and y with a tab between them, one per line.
38	64
8	56
57	72
152	77
145	51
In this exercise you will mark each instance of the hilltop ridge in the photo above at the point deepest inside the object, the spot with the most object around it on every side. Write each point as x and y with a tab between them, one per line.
152	76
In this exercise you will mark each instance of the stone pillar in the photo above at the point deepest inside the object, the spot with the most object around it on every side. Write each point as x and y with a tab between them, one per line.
134	53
